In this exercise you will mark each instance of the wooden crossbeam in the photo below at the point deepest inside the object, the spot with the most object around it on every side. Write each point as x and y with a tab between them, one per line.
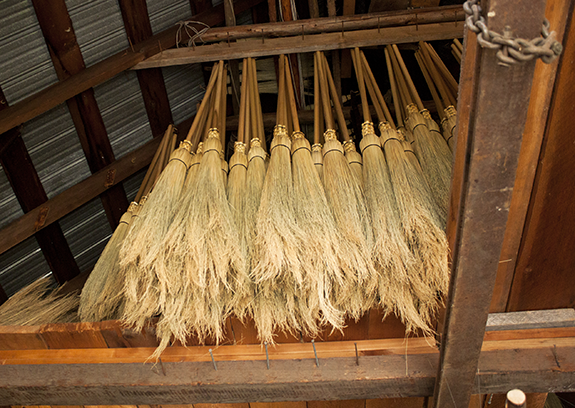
382	368
104	70
152	85
58	31
30	193
299	44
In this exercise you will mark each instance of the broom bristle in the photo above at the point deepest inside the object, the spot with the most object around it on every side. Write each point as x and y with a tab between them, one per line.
347	202
276	257
205	268
421	227
143	242
449	124
436	166
391	255
97	281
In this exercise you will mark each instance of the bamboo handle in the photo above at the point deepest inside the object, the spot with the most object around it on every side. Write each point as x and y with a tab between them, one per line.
430	85
201	109
371	78
224	106
218	97
153	163
324	93
410	84
450	81
243	101
280	118
258	107
404	94
316	101
336	103
251	105
393	85
435	75
291	95
361	84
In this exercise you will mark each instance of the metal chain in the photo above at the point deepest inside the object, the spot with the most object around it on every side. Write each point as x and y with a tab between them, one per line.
512	50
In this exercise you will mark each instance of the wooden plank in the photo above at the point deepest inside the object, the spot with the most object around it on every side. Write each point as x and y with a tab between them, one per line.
30	193
395	403
72	336
289	404
104	70
487	187
21	338
152	85
60	38
290	45
557	13
547	238
531	319
113	377
357	403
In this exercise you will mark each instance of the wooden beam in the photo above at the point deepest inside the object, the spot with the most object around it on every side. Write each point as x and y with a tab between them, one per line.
487	184
104	70
96	376
30	193
152	85
60	38
547	238
290	45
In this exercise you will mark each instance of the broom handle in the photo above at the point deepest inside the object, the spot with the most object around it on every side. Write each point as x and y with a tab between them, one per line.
224	107
243	100
280	118
291	95
393	89
261	130
250	106
361	85
451	82
202	126
161	164
289	122
153	163
409	81
386	112
441	87
217	98
430	85
316	101
336	103
370	89
202	107
458	44
324	93
404	94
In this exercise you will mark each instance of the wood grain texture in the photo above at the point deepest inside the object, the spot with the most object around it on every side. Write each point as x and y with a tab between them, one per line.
544	274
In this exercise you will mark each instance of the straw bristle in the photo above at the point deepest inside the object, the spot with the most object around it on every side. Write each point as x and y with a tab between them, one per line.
277	269
436	164
347	202
202	257
421	227
397	289
38	304
143	242
107	264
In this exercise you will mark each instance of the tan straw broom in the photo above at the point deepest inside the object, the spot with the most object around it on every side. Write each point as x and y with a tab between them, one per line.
144	242
106	268
393	259
347	203
277	269
202	251
419	224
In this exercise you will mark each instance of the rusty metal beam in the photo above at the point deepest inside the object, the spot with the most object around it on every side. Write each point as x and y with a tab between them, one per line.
494	123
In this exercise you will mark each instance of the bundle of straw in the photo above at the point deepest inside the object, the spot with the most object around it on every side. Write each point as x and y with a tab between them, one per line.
37	303
202	254
347	202
101	292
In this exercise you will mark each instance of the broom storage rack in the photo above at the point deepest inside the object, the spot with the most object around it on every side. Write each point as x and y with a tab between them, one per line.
474	352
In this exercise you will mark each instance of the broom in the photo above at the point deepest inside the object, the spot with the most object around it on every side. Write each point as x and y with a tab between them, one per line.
93	291
393	259
144	241
430	147
419	223
324	260
203	248
277	269
347	203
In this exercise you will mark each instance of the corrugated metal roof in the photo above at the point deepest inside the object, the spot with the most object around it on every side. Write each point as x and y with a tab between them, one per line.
9	206
185	87
166	13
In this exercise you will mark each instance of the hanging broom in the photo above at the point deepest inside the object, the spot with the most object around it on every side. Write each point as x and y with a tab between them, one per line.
277	269
418	220
203	249
347	203
106	267
143	243
393	259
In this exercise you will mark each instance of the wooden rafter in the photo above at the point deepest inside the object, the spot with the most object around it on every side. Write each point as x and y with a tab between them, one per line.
104	70
152	85
67	58
30	193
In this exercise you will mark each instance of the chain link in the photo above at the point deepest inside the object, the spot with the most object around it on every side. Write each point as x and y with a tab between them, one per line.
511	50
